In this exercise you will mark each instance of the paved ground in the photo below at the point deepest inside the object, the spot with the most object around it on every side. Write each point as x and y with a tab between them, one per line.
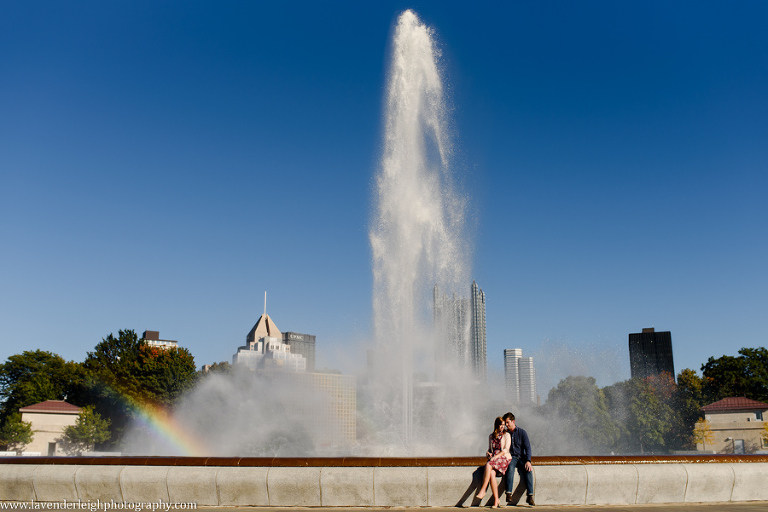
750	506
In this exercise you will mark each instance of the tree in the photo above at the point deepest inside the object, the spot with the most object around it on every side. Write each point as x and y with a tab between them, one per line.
164	374
764	433
222	367
687	403
113	362
15	434
89	430
36	376
140	372
702	433
579	402
643	412
745	375
126	374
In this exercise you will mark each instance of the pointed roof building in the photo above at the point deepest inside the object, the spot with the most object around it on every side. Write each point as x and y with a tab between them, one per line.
265	326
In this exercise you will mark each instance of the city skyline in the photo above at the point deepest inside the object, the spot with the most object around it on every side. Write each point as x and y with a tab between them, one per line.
612	156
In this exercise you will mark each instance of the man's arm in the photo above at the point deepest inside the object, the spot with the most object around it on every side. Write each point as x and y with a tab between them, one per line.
526	449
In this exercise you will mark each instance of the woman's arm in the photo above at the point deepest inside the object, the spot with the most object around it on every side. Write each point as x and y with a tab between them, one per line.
506	442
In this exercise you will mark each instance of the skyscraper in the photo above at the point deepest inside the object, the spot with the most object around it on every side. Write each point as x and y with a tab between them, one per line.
303	344
451	320
264	348
527	380
460	332
650	353
519	376
512	372
477	333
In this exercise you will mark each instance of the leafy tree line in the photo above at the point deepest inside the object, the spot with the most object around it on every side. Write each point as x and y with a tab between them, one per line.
121	375
655	414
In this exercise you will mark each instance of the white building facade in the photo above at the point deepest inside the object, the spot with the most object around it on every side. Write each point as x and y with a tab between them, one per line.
519	376
265	350
48	419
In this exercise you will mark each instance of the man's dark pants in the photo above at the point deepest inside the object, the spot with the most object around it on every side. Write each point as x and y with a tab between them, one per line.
526	475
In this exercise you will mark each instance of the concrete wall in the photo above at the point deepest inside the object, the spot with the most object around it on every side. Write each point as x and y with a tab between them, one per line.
573	484
723	434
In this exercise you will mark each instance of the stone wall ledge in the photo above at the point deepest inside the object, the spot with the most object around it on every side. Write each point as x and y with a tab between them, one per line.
378	482
380	462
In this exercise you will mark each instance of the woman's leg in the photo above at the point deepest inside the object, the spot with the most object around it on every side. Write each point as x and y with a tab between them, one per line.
486	479
494	489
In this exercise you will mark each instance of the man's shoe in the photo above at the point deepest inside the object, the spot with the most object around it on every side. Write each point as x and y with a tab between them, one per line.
529	500
509	499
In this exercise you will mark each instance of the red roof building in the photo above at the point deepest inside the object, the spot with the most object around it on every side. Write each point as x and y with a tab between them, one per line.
52	406
735	403
737	425
49	419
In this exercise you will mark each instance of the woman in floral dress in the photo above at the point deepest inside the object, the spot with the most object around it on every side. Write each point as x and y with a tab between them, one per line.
498	459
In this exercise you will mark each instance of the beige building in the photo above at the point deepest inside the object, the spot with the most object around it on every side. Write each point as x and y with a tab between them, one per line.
737	425
336	415
48	419
328	400
264	349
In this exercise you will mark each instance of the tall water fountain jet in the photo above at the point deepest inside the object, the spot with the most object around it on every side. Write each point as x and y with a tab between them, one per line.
417	231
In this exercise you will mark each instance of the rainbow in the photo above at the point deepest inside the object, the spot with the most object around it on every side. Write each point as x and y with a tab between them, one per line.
165	427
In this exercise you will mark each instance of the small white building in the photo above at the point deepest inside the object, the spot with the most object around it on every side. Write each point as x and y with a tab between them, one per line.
49	419
737	425
264	349
152	338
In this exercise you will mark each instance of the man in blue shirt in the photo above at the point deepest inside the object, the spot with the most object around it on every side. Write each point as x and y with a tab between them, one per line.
520	450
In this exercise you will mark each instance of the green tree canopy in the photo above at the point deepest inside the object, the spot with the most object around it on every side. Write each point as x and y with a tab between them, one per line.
36	376
139	372
641	407
221	367
89	430
15	434
687	403
125	374
745	375
164	374
583	406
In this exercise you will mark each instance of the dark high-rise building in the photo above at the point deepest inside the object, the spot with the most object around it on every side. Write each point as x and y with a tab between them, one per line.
451	318
460	330
303	344
477	332
650	353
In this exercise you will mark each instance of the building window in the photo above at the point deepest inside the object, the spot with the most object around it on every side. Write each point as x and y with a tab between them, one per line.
759	415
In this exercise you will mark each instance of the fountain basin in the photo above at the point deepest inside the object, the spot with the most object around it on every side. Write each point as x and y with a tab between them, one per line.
371	481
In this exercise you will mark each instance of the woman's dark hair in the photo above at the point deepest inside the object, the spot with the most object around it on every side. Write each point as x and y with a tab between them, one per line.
498	426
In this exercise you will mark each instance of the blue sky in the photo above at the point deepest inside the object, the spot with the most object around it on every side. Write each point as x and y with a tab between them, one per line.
163	164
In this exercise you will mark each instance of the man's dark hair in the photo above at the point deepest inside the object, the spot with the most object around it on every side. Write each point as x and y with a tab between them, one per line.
509	416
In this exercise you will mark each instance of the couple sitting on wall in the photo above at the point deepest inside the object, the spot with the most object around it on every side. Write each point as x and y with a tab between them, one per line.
508	448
